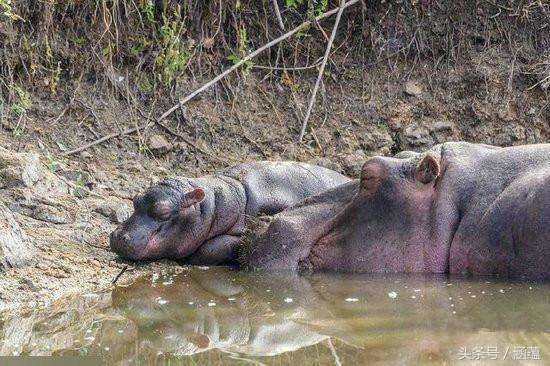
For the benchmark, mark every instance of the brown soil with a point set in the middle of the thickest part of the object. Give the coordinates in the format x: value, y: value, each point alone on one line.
x: 362, y: 110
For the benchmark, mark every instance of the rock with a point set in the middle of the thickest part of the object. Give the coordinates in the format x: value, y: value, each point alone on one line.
x: 413, y: 88
x: 441, y: 131
x: 19, y: 169
x: 51, y: 214
x: 352, y: 163
x: 442, y: 126
x: 24, y: 170
x: 86, y: 155
x: 122, y: 213
x: 416, y: 137
x: 116, y: 211
x: 378, y: 142
x: 158, y: 144
x: 16, y: 250
x: 79, y: 177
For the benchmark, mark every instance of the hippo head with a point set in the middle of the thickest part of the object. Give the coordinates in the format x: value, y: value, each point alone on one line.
x: 166, y: 223
x: 386, y: 226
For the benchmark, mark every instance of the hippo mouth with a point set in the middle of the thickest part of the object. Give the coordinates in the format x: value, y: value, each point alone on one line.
x: 123, y: 246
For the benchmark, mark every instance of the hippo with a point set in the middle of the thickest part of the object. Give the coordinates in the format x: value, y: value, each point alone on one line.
x: 459, y: 208
x: 203, y: 219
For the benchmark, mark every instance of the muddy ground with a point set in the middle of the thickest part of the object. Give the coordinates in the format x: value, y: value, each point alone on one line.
x: 69, y: 207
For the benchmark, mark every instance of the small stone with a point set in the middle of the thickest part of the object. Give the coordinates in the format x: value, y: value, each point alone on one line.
x: 19, y: 169
x: 86, y: 155
x: 413, y: 88
x: 116, y: 211
x: 51, y: 214
x: 352, y: 163
x: 16, y: 250
x: 378, y: 141
x: 158, y: 144
x: 417, y: 137
x: 95, y: 262
x: 122, y: 213
x: 441, y: 126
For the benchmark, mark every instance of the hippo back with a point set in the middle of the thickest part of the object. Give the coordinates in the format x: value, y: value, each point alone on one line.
x: 273, y: 186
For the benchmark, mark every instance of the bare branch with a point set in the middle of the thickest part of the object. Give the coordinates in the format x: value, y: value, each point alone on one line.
x: 254, y: 54
x: 278, y: 14
x: 322, y: 69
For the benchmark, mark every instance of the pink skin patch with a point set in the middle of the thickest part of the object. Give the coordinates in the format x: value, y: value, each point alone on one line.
x: 152, y: 247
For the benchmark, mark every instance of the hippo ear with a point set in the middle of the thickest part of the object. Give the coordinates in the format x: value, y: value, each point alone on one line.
x: 192, y: 198
x: 427, y: 170
x: 371, y: 175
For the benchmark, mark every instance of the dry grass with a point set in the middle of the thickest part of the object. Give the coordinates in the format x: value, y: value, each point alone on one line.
x: 159, y: 43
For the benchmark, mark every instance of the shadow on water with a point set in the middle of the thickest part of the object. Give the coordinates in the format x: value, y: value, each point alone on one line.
x: 222, y: 316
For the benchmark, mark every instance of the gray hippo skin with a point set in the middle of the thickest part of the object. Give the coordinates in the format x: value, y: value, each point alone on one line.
x: 460, y: 208
x: 203, y: 219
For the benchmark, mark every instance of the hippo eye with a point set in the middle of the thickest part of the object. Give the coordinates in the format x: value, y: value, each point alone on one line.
x: 161, y: 210
x: 136, y: 202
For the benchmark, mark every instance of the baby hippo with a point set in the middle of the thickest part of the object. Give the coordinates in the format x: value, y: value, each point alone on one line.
x: 203, y: 219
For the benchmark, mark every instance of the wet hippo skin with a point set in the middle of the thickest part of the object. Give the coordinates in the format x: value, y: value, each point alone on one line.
x: 202, y: 219
x: 459, y: 208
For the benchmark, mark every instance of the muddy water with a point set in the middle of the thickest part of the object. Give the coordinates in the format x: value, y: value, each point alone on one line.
x: 222, y: 316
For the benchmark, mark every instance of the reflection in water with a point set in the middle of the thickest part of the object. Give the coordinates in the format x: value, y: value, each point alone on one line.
x: 222, y: 316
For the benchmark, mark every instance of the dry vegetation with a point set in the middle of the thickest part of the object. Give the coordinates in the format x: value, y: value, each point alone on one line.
x: 147, y: 54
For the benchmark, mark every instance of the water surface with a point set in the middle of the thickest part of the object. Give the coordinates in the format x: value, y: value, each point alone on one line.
x: 222, y: 316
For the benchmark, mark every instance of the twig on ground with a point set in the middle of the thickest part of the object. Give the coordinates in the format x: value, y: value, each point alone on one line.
x: 256, y: 53
x: 124, y: 269
x: 278, y: 14
x: 89, y: 108
x: 105, y: 138
x: 322, y: 69
x: 322, y: 31
x: 138, y: 128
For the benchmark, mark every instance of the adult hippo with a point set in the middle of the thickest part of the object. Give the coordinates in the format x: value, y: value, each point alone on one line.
x: 202, y: 219
x: 460, y: 208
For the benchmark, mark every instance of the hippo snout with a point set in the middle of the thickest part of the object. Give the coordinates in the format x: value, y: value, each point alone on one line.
x: 121, y: 244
